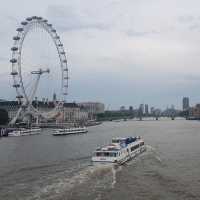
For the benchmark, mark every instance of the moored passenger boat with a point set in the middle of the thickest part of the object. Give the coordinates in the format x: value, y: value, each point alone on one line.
x: 68, y: 131
x: 120, y: 150
x: 24, y: 132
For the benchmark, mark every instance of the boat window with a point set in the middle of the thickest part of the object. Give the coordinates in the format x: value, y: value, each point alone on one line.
x: 142, y: 143
x: 98, y: 154
x: 132, y: 148
x: 106, y: 154
x: 135, y: 147
x: 112, y: 154
x: 115, y: 141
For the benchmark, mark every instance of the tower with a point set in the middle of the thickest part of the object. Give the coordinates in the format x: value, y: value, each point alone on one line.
x: 54, y: 97
x: 186, y: 103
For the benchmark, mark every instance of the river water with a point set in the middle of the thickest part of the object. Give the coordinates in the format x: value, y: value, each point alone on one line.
x: 59, y: 168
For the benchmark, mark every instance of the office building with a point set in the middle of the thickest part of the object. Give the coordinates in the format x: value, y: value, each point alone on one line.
x: 186, y: 104
x: 146, y: 108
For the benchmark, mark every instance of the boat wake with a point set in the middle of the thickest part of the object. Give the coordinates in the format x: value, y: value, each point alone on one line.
x: 114, y: 174
x: 90, y: 179
x: 153, y: 150
x: 150, y: 152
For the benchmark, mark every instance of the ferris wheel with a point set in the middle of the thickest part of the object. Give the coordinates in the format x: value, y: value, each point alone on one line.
x: 42, y: 70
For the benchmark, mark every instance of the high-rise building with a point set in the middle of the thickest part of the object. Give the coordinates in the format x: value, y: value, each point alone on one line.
x: 152, y: 110
x: 186, y: 103
x: 122, y: 108
x: 130, y: 108
x: 54, y: 97
x: 141, y: 108
x: 92, y: 108
x: 146, y: 108
x: 172, y: 107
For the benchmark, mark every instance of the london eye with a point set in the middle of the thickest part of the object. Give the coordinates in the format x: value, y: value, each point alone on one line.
x: 39, y: 65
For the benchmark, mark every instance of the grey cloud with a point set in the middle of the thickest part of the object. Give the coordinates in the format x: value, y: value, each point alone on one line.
x: 68, y: 18
x: 191, y: 77
x: 186, y: 19
x: 3, y: 58
x: 194, y: 27
x: 191, y: 22
x: 133, y: 33
x: 12, y: 19
x: 111, y: 56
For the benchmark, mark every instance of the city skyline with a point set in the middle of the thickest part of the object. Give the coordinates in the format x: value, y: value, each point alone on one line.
x: 115, y: 55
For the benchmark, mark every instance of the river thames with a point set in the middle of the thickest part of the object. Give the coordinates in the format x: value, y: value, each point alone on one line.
x: 59, y: 168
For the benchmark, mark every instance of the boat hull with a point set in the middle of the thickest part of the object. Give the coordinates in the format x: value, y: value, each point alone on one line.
x: 27, y: 132
x: 69, y: 133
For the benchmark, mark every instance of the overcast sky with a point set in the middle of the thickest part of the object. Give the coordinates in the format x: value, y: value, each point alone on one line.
x: 120, y: 52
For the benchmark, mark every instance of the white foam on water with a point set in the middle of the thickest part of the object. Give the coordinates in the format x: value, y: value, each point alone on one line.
x: 114, y: 173
x: 158, y: 158
x: 65, y: 184
x: 61, y: 184
x: 152, y: 149
x: 98, y: 197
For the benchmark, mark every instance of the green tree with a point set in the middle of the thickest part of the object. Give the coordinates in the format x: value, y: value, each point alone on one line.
x: 3, y: 117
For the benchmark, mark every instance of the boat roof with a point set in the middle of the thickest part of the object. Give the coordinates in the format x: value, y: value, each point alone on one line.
x: 119, y: 138
x: 116, y: 146
x: 110, y: 147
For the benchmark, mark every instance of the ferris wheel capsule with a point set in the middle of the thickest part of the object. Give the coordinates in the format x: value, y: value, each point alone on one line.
x: 60, y: 45
x: 20, y: 29
x: 13, y: 60
x: 14, y: 73
x: 39, y: 18
x: 24, y: 23
x: 57, y: 37
x: 19, y: 97
x: 62, y: 52
x: 53, y: 30
x: 16, y: 85
x: 64, y: 61
x: 45, y: 20
x: 50, y: 25
x: 29, y: 19
x: 16, y: 38
x: 14, y: 48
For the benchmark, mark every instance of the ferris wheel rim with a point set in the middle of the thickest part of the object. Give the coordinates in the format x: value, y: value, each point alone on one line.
x: 16, y: 49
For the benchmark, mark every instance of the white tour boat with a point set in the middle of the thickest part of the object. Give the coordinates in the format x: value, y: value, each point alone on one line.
x: 24, y: 132
x: 120, y: 150
x: 68, y: 131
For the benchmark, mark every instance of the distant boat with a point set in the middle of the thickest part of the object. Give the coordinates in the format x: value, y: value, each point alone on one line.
x: 68, y: 131
x: 24, y: 132
x: 117, y: 120
x: 119, y: 151
x: 93, y: 123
